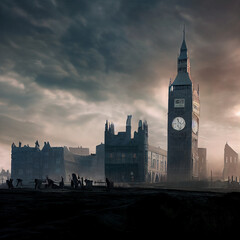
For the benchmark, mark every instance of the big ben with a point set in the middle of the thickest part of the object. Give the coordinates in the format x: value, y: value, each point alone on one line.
x: 183, y: 122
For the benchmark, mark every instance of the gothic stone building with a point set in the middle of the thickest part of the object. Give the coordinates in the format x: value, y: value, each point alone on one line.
x: 231, y: 167
x: 29, y: 163
x: 132, y: 159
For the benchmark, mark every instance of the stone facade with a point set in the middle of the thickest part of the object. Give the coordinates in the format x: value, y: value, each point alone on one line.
x: 231, y: 168
x: 4, y: 175
x: 29, y: 163
x: 100, y: 158
x: 79, y: 151
x: 130, y: 159
x: 157, y: 164
x: 202, y: 163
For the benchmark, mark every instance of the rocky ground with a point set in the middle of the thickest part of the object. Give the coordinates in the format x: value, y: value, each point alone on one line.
x: 122, y: 211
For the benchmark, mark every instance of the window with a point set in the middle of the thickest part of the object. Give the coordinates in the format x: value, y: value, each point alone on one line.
x: 58, y: 160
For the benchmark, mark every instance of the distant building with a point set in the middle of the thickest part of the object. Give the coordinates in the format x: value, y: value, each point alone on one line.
x: 79, y: 151
x: 202, y: 163
x: 100, y: 158
x: 4, y: 175
x: 157, y: 164
x: 231, y: 166
x: 29, y: 163
x: 132, y: 159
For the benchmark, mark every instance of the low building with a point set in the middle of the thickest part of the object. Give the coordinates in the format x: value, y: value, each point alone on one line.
x: 4, y: 175
x: 231, y: 166
x: 202, y: 163
x: 157, y: 164
x: 29, y: 163
x: 100, y: 158
x: 79, y: 151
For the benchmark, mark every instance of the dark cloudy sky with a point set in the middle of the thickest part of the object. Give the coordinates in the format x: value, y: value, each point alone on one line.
x: 67, y: 66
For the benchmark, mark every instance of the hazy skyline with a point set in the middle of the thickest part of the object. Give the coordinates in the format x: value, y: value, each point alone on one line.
x: 67, y: 66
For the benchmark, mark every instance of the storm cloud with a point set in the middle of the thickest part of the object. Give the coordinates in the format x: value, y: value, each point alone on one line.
x: 67, y: 66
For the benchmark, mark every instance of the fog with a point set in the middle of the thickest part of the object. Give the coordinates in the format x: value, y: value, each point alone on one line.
x: 67, y: 67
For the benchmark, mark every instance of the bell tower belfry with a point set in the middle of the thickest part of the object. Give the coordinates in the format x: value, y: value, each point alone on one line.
x: 183, y: 122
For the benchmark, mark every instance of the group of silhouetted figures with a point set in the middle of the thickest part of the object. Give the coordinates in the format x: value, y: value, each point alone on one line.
x: 38, y: 183
x: 49, y: 183
x: 76, y: 182
x: 9, y: 183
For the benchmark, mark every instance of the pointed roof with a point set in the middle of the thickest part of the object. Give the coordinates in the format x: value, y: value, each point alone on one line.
x: 182, y: 78
x: 183, y: 49
x: 46, y: 146
x: 184, y: 46
x: 128, y: 122
x: 228, y: 149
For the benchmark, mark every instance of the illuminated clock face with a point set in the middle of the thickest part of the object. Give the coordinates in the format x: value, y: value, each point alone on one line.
x: 194, y: 126
x: 178, y: 123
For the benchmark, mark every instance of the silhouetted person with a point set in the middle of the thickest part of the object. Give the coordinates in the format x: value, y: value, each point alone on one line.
x: 109, y: 184
x: 88, y: 183
x: 38, y: 183
x: 82, y: 182
x: 19, y: 182
x: 50, y: 183
x: 75, y: 180
x: 35, y: 181
x: 10, y: 183
x: 61, y: 184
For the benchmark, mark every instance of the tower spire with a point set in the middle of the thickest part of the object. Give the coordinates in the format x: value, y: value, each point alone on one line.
x: 184, y: 32
x: 183, y: 64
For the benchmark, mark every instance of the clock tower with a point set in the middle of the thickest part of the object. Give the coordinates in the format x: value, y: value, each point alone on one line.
x: 183, y: 122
